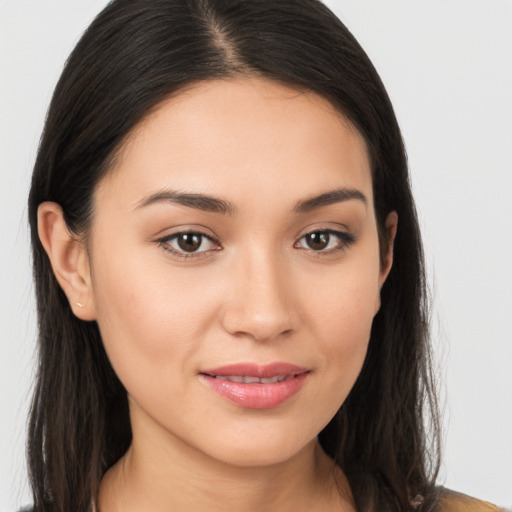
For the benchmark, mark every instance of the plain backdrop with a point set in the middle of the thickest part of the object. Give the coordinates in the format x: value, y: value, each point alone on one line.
x: 447, y: 65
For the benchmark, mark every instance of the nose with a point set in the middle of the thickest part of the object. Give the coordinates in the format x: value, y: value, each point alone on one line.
x: 259, y: 304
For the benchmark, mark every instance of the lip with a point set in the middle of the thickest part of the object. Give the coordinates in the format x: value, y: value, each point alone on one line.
x: 256, y: 395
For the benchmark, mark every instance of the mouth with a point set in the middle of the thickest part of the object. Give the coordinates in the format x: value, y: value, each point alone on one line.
x: 245, y: 379
x: 256, y: 387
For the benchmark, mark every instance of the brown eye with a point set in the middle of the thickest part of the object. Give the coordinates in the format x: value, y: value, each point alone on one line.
x: 318, y: 240
x: 325, y: 241
x: 189, y: 242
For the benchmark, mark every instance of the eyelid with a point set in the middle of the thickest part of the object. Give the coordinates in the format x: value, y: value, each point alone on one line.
x: 345, y: 238
x: 163, y: 242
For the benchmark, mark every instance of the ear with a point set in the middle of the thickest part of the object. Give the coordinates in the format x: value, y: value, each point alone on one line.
x: 68, y: 258
x: 387, y: 261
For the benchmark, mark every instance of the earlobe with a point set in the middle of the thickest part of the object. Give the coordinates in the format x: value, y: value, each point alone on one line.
x: 391, y: 226
x: 68, y: 258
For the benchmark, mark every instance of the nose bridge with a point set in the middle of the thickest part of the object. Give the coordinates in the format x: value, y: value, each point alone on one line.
x: 259, y: 304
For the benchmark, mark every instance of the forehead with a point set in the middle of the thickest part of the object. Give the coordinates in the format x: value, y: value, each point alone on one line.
x: 239, y: 137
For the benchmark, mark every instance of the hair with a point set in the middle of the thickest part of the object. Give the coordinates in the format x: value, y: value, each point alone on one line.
x: 135, y: 54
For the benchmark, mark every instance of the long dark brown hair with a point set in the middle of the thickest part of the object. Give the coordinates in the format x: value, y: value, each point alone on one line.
x: 135, y: 54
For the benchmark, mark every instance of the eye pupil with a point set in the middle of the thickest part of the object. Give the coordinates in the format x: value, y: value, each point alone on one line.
x: 189, y: 242
x: 318, y: 240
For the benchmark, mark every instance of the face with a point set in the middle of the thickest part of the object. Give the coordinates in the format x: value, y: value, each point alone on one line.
x: 235, y: 269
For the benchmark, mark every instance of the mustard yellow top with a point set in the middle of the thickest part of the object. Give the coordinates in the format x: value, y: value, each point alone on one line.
x: 452, y: 501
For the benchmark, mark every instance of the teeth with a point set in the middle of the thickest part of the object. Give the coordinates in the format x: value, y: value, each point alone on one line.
x: 232, y: 379
x: 270, y: 380
x: 251, y: 380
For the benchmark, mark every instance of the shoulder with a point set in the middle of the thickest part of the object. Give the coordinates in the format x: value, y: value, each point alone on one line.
x: 451, y: 501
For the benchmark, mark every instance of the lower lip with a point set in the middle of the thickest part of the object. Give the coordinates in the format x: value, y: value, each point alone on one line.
x: 257, y: 396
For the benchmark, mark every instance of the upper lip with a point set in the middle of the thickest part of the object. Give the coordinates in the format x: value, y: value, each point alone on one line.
x: 255, y: 370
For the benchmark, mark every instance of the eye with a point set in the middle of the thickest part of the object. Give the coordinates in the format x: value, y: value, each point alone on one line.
x: 188, y: 244
x: 325, y: 240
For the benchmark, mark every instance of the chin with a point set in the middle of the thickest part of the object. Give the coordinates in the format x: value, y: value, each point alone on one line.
x: 259, y: 450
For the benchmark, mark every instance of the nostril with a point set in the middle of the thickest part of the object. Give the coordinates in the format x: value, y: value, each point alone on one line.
x: 270, y: 334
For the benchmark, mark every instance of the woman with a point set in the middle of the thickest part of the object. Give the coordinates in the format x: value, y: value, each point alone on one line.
x: 229, y: 271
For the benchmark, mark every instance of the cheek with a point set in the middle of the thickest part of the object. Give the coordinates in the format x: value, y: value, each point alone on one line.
x: 345, y: 301
x: 150, y: 317
x: 340, y: 314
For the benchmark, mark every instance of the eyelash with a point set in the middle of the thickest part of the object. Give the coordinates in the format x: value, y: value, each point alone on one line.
x: 345, y: 240
x: 164, y: 243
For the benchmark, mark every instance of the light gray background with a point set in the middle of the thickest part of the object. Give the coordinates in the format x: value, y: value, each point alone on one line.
x: 447, y: 65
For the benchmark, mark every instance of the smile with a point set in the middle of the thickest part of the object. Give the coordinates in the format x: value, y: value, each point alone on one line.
x: 256, y: 387
x: 252, y: 380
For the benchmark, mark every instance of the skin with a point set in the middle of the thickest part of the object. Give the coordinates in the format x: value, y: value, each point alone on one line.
x: 257, y: 293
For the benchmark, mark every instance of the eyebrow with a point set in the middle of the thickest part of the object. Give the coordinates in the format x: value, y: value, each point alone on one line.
x: 198, y: 201
x: 333, y: 196
x: 216, y: 205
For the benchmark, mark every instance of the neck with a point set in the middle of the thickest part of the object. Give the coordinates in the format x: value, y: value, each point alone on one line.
x: 170, y: 476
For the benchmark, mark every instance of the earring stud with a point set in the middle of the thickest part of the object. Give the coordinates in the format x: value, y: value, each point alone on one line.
x: 79, y: 304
